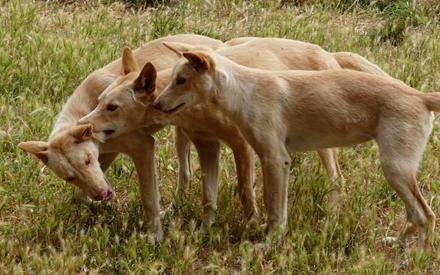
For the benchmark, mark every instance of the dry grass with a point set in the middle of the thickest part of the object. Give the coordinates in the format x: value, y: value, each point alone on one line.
x: 49, y: 47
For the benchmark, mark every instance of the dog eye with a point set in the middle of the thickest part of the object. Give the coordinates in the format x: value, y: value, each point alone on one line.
x: 112, y: 107
x: 88, y: 161
x: 180, y: 81
x: 70, y: 179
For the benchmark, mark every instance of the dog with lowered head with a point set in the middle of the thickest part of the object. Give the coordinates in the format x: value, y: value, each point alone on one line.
x: 75, y: 154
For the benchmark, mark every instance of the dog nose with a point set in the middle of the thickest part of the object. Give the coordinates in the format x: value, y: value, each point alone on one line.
x: 157, y: 106
x: 109, y: 195
x: 105, y: 195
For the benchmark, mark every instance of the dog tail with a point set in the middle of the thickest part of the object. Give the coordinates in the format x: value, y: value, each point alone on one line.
x: 352, y: 61
x: 432, y: 101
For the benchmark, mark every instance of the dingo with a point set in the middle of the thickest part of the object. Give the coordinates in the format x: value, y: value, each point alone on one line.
x: 284, y: 111
x: 72, y: 151
x: 127, y: 100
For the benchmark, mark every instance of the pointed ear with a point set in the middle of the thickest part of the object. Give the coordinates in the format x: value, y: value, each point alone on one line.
x: 179, y: 48
x: 199, y: 61
x: 145, y: 84
x: 175, y: 47
x: 82, y: 133
x: 38, y: 148
x: 129, y: 63
x: 146, y: 79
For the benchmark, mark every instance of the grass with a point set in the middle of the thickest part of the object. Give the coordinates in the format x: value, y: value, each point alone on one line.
x: 47, y: 48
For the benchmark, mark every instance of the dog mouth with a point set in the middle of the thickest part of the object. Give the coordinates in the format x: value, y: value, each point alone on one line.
x: 106, y: 195
x: 109, y: 132
x: 175, y: 108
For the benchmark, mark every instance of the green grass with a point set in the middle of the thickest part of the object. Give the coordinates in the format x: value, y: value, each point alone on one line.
x: 47, y: 49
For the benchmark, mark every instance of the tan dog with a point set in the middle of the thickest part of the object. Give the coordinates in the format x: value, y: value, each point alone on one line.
x: 72, y: 152
x: 346, y: 60
x: 285, y: 111
x: 125, y: 100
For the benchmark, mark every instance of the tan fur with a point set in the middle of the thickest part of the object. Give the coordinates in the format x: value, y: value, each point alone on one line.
x: 206, y: 126
x: 353, y: 61
x: 76, y: 159
x: 138, y: 144
x: 284, y: 111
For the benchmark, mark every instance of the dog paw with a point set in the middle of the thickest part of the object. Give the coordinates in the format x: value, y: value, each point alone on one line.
x: 391, y: 241
x: 158, y: 236
x: 205, y: 227
x: 251, y: 224
x: 208, y: 219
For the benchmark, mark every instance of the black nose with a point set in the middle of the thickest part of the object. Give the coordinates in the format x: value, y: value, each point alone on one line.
x: 157, y: 106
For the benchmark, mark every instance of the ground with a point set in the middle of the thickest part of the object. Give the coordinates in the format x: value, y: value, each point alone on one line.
x: 49, y: 47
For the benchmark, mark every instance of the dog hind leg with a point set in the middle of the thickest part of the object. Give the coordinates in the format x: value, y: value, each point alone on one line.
x: 209, y: 152
x: 329, y: 158
x: 244, y: 161
x: 400, y: 153
x: 183, y: 150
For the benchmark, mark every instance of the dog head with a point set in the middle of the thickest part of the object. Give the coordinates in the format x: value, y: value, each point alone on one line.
x: 73, y: 156
x: 122, y: 106
x: 192, y: 81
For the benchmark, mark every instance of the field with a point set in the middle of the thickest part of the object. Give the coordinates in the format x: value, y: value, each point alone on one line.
x: 48, y: 47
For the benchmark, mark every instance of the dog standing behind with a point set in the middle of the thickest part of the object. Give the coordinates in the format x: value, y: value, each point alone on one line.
x: 284, y: 111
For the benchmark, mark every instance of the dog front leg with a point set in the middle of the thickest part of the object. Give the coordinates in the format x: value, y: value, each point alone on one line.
x: 143, y: 157
x: 183, y: 150
x: 275, y: 164
x: 209, y: 152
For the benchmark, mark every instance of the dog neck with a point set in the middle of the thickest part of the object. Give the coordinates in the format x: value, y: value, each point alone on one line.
x: 243, y: 95
x: 83, y: 100
x: 238, y: 86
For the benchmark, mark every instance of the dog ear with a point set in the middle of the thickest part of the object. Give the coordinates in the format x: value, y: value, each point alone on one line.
x: 146, y: 79
x: 199, y: 61
x: 82, y: 133
x: 177, y: 48
x: 145, y: 84
x: 129, y: 63
x: 38, y: 148
x: 180, y: 48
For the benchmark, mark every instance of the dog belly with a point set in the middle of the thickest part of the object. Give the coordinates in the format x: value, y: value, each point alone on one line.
x: 306, y: 142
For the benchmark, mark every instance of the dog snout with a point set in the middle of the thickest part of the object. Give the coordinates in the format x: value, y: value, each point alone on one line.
x: 109, y: 195
x: 104, y: 195
x: 100, y: 196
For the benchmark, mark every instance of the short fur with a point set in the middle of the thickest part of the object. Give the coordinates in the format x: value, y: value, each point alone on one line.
x: 206, y: 126
x: 283, y: 111
x: 72, y: 152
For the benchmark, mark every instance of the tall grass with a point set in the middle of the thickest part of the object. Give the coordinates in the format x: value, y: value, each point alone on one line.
x: 49, y: 47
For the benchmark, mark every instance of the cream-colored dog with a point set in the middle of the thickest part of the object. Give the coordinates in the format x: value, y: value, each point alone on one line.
x: 311, y: 54
x: 284, y: 111
x: 74, y: 154
x: 129, y: 97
